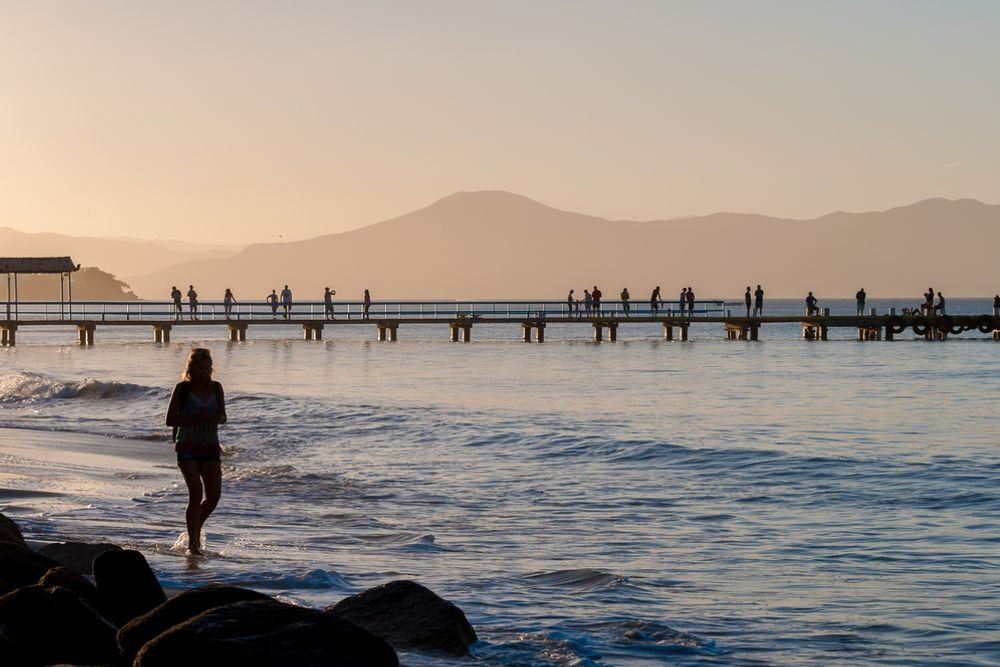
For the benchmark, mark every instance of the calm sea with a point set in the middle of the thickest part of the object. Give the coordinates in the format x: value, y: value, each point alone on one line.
x: 784, y: 502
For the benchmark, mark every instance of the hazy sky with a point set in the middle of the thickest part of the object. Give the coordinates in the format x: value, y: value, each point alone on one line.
x: 239, y: 121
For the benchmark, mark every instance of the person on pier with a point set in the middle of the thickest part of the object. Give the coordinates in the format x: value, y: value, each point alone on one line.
x: 655, y: 301
x: 272, y: 300
x: 996, y: 305
x: 595, y: 296
x: 197, y: 407
x: 758, y: 302
x: 569, y: 304
x: 811, y: 308
x: 588, y: 302
x: 175, y: 294
x: 227, y: 302
x: 690, y: 302
x: 328, y: 302
x: 860, y: 298
x: 368, y: 303
x: 748, y: 300
x: 286, y: 300
x: 928, y: 306
x: 625, y: 299
x: 939, y: 306
x: 193, y: 302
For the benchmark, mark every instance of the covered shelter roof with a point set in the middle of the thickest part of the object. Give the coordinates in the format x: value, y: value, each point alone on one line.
x: 37, y: 265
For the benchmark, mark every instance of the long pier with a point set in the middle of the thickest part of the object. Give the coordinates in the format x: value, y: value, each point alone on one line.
x: 461, y: 316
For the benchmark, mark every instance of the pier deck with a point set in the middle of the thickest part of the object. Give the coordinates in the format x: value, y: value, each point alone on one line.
x: 461, y: 316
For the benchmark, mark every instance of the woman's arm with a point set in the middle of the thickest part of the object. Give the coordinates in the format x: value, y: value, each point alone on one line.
x: 221, y: 398
x: 174, y: 408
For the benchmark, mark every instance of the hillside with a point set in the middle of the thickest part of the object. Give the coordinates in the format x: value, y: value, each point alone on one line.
x: 88, y: 283
x: 501, y: 245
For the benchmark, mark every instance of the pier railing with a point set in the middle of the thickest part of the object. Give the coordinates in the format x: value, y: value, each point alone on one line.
x: 258, y: 311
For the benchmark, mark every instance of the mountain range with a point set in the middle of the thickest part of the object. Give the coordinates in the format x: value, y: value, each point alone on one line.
x: 493, y: 244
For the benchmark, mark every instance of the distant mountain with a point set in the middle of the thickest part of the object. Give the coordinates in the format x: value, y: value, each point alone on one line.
x: 501, y: 245
x: 120, y: 257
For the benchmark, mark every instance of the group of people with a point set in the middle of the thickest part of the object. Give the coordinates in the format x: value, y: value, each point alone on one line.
x: 592, y: 302
x: 275, y: 300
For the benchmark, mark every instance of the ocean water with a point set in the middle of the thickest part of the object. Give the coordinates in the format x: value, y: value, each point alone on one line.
x: 642, y: 502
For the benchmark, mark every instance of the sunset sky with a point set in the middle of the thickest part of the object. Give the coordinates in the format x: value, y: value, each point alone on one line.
x: 242, y: 121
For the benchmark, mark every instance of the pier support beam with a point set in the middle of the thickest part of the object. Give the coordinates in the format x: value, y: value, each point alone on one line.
x: 869, y: 333
x: 599, y: 331
x: 460, y: 331
x: 161, y: 333
x: 526, y: 328
x: 668, y: 331
x: 238, y: 332
x: 86, y: 332
x: 312, y: 330
x: 387, y: 331
x: 7, y: 335
x: 814, y: 331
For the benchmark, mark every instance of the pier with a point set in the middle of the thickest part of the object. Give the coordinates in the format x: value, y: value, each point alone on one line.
x: 459, y: 318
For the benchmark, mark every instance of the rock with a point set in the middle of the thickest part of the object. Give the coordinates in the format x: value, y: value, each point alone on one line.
x: 64, y: 577
x: 126, y: 583
x: 78, y: 556
x: 266, y: 633
x: 134, y: 635
x: 20, y: 566
x: 411, y: 616
x: 50, y: 626
x: 9, y: 532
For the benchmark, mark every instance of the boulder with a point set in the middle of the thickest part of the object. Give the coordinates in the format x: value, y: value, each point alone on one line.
x: 78, y: 556
x: 127, y: 585
x: 9, y: 532
x: 266, y: 633
x: 64, y: 577
x: 41, y: 626
x: 134, y: 635
x: 20, y: 566
x: 410, y: 616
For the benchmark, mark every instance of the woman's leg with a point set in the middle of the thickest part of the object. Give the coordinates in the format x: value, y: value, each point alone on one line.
x: 192, y: 516
x: 211, y: 477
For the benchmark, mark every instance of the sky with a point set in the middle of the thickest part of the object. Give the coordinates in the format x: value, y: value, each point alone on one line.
x: 246, y: 121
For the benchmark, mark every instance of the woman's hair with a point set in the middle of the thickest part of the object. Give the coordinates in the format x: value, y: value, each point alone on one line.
x: 197, y: 354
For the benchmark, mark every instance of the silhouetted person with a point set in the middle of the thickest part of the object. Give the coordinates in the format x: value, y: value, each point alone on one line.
x: 683, y: 299
x: 227, y: 302
x: 860, y: 298
x: 595, y: 296
x: 193, y: 302
x: 690, y: 301
x: 286, y: 300
x: 625, y: 299
x: 996, y: 305
x: 928, y: 306
x: 569, y: 304
x: 175, y: 294
x: 272, y: 300
x: 811, y: 308
x: 748, y: 300
x: 588, y: 302
x: 328, y: 302
x: 368, y: 303
x: 939, y: 306
x: 758, y: 302
x: 197, y: 407
x: 654, y: 301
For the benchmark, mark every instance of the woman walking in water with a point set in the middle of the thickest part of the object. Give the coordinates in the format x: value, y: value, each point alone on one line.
x: 197, y: 407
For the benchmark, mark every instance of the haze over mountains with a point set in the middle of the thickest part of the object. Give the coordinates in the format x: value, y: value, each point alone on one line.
x: 493, y: 244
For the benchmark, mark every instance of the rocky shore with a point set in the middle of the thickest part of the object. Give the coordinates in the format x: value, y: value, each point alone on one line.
x: 99, y: 604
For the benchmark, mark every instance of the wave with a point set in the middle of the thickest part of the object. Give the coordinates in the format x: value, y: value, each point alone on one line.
x: 584, y: 578
x: 26, y: 387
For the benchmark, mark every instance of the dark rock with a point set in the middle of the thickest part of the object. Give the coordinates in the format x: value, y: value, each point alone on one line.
x: 126, y: 583
x: 9, y: 532
x: 79, y: 585
x: 48, y: 626
x: 20, y: 566
x: 266, y: 633
x: 134, y: 635
x: 78, y: 556
x: 408, y: 615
